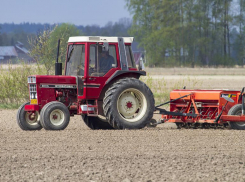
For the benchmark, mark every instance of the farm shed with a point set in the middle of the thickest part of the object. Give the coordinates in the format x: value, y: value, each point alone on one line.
x: 7, y: 53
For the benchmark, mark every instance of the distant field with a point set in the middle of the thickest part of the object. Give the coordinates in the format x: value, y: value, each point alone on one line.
x: 175, y: 71
x: 4, y: 68
x: 195, y: 71
x: 199, y: 81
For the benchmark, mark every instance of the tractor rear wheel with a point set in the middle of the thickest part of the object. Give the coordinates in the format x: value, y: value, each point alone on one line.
x: 236, y: 110
x: 128, y: 104
x: 96, y: 123
x: 54, y: 116
x: 28, y: 120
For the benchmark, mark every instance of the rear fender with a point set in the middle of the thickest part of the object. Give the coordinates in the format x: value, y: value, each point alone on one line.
x: 126, y: 73
x: 119, y: 75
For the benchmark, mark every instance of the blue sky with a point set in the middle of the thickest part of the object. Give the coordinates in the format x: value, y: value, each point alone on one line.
x: 78, y: 12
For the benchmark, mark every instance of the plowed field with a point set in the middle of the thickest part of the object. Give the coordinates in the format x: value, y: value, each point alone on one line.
x: 153, y: 154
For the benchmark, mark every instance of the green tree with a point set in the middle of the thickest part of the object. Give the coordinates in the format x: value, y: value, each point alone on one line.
x: 44, y: 45
x: 41, y: 51
x: 184, y: 32
x: 239, y: 44
x: 62, y: 32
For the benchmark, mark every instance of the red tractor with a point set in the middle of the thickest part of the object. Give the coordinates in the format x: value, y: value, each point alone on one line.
x: 100, y: 83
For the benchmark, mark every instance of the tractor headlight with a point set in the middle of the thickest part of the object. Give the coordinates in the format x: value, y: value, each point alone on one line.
x: 31, y: 79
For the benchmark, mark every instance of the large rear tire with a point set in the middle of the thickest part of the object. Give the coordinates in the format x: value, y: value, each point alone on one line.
x: 96, y: 123
x: 128, y: 104
x: 28, y: 120
x: 236, y: 110
x: 54, y: 116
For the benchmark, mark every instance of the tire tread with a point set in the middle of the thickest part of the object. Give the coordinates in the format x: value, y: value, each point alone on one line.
x: 44, y: 120
x: 21, y: 121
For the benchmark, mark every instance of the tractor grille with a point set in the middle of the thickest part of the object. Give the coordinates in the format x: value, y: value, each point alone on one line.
x: 33, y: 93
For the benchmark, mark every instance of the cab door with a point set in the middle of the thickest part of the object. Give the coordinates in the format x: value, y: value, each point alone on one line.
x: 96, y: 79
x: 75, y: 64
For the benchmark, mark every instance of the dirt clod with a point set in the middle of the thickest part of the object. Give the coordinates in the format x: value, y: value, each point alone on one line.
x: 168, y: 126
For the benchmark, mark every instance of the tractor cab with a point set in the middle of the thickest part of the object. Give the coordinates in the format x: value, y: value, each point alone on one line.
x: 98, y: 56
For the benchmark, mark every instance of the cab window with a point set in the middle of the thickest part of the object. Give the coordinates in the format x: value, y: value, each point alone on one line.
x: 100, y: 62
x: 75, y: 60
x: 130, y: 58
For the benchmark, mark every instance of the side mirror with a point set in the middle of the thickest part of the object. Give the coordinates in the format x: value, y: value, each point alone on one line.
x: 141, y: 64
x: 105, y: 46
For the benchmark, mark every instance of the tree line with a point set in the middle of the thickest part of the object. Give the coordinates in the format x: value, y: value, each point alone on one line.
x: 190, y: 32
x: 10, y: 33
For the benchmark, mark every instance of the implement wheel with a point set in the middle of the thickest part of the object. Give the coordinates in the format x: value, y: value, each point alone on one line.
x: 96, y: 123
x: 54, y: 116
x: 128, y: 104
x: 236, y: 110
x: 28, y: 120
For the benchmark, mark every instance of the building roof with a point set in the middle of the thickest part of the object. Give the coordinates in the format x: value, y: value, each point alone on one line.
x: 99, y: 39
x: 8, y: 51
x: 19, y: 43
x: 23, y: 49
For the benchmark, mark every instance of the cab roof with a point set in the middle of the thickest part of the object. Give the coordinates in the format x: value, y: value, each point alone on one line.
x: 99, y: 39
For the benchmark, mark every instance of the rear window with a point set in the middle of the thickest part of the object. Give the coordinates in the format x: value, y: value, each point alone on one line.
x: 130, y: 58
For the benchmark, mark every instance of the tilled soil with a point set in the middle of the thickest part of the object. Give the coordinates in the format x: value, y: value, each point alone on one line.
x: 153, y: 154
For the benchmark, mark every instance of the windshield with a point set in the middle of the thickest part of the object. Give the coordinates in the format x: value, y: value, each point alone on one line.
x: 75, y: 60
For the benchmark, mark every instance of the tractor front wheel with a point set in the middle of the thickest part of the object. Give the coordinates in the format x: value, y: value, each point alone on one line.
x: 236, y: 110
x: 54, y: 116
x: 128, y: 104
x: 28, y: 120
x: 96, y: 123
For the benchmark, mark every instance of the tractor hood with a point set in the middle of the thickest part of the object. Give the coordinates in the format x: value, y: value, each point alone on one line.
x: 52, y: 80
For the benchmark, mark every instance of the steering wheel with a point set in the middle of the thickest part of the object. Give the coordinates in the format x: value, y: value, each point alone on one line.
x: 79, y: 71
x: 91, y: 69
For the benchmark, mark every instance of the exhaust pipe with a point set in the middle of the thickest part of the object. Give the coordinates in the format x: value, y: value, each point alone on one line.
x: 58, y: 66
